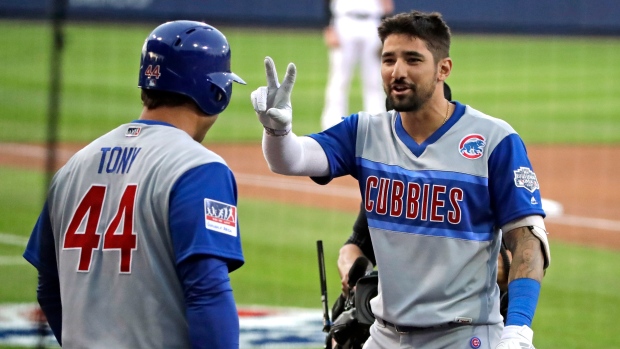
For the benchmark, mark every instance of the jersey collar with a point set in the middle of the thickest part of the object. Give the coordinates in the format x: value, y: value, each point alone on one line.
x: 418, y: 149
x: 152, y: 122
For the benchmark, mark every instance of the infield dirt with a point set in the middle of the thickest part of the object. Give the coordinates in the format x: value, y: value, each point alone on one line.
x: 581, y: 178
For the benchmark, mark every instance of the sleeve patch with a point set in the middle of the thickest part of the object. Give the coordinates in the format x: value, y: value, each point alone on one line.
x: 221, y: 217
x: 526, y: 178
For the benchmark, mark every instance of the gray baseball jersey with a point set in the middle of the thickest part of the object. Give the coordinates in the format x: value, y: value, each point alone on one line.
x: 434, y: 210
x: 117, y: 238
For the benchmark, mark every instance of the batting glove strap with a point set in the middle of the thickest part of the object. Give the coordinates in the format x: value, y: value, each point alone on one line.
x: 516, y: 337
x: 276, y: 133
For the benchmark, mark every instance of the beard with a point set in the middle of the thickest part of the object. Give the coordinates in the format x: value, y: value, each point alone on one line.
x: 413, y: 101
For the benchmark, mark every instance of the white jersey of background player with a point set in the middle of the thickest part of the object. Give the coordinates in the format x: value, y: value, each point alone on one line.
x: 353, y: 44
x: 139, y: 230
x: 439, y: 180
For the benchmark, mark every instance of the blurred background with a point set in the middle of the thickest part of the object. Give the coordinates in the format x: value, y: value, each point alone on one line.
x: 69, y: 72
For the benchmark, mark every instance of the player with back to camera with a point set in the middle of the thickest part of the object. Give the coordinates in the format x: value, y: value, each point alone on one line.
x: 439, y: 181
x: 139, y: 230
x: 352, y: 42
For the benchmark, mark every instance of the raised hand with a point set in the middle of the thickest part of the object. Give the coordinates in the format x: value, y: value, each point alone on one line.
x: 272, y: 103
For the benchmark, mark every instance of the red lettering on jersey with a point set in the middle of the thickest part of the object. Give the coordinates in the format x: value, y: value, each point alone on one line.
x: 413, y: 200
x: 426, y: 202
x: 456, y: 195
x: 437, y: 203
x: 424, y: 213
x: 371, y: 182
x: 88, y: 240
x: 126, y: 241
x: 398, y: 190
x: 382, y: 196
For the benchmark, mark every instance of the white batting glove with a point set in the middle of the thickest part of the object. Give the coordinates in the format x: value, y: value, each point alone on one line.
x: 516, y: 337
x: 272, y: 103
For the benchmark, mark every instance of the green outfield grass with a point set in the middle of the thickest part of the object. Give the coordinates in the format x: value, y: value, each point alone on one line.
x: 551, y: 89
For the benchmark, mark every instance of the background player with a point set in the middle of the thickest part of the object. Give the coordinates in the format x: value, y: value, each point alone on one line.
x: 439, y: 181
x: 139, y: 231
x: 352, y: 42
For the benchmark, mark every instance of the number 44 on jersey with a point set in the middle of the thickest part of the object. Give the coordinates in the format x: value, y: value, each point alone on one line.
x: 88, y: 241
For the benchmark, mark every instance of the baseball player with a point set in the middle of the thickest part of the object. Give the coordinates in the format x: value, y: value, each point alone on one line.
x: 360, y: 244
x: 352, y: 42
x: 439, y: 181
x: 139, y: 230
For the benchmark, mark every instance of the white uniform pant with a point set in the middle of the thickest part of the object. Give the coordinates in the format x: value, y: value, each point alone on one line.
x: 359, y: 47
x: 459, y: 337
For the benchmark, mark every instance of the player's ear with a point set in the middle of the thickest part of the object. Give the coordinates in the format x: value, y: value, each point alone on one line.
x: 444, y: 67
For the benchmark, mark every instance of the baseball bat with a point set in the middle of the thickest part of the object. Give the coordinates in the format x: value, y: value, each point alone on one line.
x: 326, y: 321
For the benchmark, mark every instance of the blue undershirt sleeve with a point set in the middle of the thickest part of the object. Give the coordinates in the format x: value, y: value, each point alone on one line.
x: 41, y: 253
x: 211, y: 311
x: 48, y: 296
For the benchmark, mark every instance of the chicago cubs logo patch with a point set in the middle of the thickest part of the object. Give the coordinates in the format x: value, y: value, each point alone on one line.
x: 526, y: 178
x: 475, y: 342
x: 221, y: 217
x: 472, y: 146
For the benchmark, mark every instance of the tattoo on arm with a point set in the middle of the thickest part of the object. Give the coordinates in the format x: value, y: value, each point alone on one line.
x: 527, y: 254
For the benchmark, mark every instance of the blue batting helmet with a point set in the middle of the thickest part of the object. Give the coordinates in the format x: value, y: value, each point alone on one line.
x: 190, y: 58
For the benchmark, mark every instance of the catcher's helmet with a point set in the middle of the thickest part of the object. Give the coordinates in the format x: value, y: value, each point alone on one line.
x: 189, y: 58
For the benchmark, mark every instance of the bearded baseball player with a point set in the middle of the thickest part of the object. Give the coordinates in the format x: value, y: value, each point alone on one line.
x: 360, y: 244
x: 139, y: 231
x: 439, y: 180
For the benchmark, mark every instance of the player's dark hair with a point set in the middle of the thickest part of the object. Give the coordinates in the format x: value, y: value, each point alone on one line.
x: 429, y: 27
x: 153, y: 99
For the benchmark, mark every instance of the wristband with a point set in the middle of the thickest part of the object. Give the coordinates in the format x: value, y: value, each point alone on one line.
x: 522, y: 300
x: 276, y: 133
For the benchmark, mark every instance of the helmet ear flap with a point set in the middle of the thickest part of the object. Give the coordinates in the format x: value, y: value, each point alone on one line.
x: 215, y: 98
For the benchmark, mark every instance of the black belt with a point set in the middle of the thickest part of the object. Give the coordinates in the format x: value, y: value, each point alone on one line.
x: 407, y: 329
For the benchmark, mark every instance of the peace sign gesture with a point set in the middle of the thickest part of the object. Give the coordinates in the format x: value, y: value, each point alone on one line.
x: 272, y: 103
